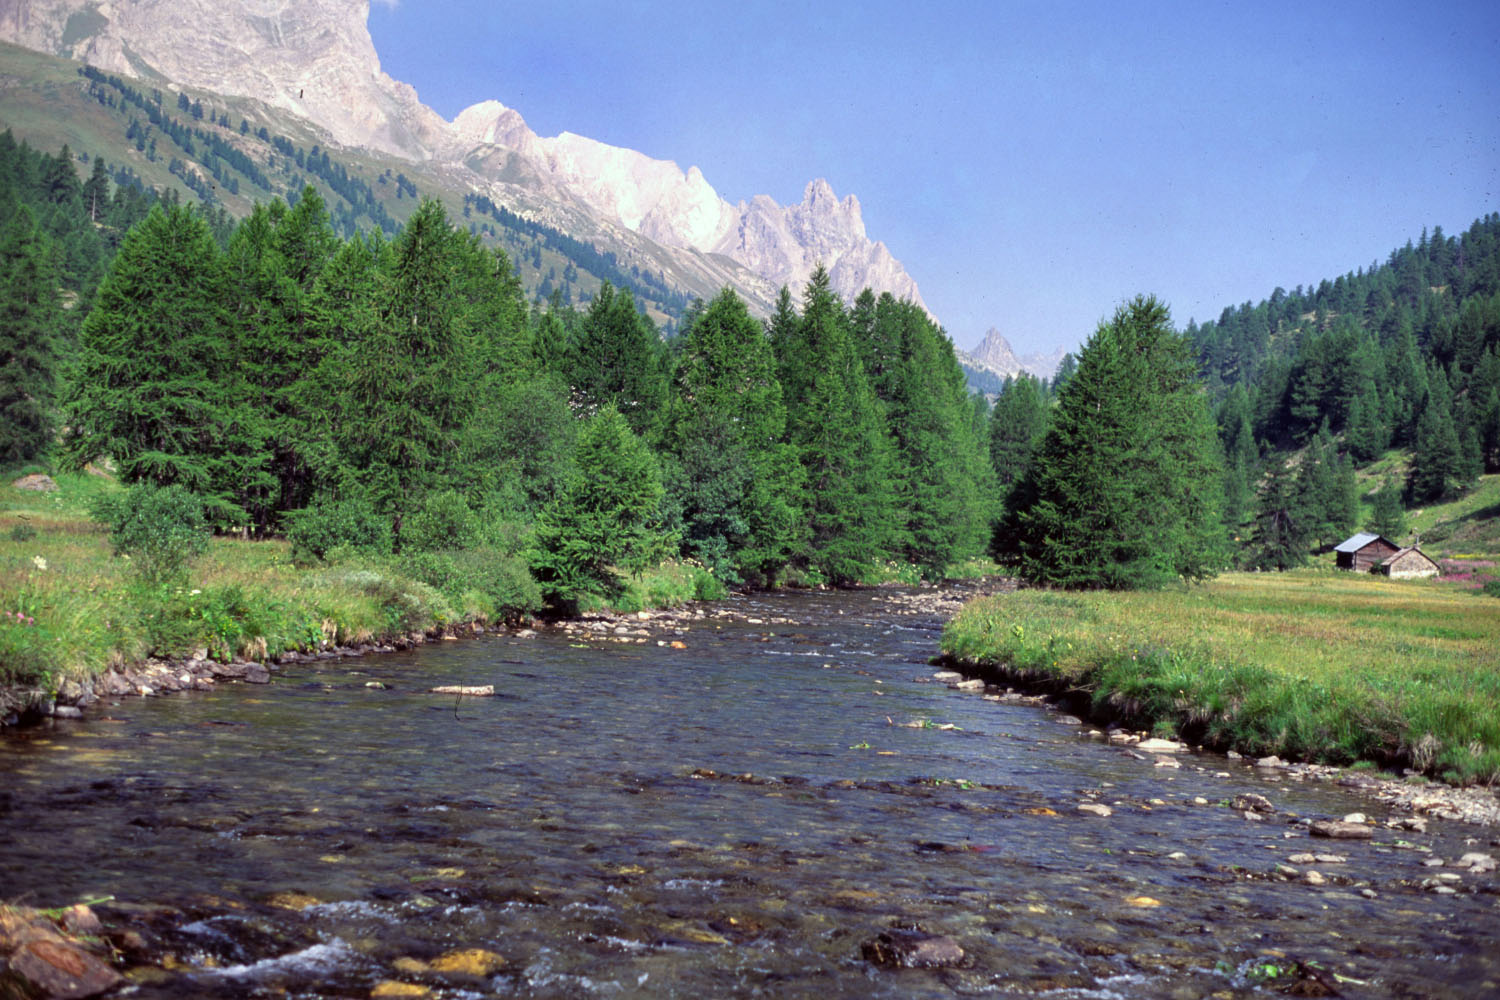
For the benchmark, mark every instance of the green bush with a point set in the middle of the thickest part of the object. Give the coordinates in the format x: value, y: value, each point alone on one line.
x: 22, y: 533
x: 445, y: 521
x: 504, y: 580
x: 159, y: 528
x: 329, y: 523
x: 1492, y: 587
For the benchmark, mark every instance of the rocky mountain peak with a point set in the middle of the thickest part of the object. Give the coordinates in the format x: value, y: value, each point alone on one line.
x: 316, y: 59
x: 994, y: 354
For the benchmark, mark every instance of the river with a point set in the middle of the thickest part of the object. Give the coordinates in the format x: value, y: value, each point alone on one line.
x: 738, y: 817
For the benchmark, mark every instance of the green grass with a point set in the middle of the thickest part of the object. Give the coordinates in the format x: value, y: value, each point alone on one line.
x: 70, y: 609
x: 1315, y: 665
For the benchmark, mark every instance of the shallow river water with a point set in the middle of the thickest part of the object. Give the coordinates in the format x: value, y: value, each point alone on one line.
x: 734, y: 818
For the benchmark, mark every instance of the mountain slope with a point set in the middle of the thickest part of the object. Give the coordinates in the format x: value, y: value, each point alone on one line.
x: 314, y: 59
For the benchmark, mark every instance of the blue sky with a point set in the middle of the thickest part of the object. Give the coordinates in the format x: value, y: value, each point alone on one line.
x: 1032, y: 164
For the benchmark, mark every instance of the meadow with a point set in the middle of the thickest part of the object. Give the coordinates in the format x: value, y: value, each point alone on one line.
x: 70, y: 608
x: 1315, y: 665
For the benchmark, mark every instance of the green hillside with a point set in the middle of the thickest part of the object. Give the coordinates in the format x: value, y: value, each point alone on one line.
x: 233, y: 153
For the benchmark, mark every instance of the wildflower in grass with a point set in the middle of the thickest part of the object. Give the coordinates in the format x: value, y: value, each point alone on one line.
x: 39, y: 562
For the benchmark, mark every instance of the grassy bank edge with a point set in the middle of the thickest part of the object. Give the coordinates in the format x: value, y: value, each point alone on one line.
x: 1189, y: 691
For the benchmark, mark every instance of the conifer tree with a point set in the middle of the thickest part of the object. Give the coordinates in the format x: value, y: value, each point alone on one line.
x: 737, y: 482
x: 1283, y: 525
x: 608, y: 517
x: 30, y: 321
x: 1241, y: 457
x: 1017, y: 423
x: 942, y: 472
x: 834, y: 421
x: 616, y: 358
x: 1388, y: 515
x: 274, y: 261
x: 408, y: 396
x: 1437, y: 463
x: 158, y: 383
x: 1126, y: 489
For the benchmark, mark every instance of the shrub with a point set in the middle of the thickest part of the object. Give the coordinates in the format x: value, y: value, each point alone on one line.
x: 1492, y: 587
x: 160, y: 528
x: 331, y: 523
x: 445, y: 521
x: 22, y: 533
x: 503, y: 580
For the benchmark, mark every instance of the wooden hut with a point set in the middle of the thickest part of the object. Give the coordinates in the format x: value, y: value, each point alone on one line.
x: 1407, y: 564
x: 1363, y: 552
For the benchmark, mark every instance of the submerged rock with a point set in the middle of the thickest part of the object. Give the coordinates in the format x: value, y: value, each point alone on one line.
x: 911, y: 949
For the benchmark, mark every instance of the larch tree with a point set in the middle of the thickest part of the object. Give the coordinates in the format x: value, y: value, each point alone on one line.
x: 158, y: 382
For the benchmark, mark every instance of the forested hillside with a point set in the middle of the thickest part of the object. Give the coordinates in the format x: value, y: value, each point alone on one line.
x: 1395, y: 367
x: 231, y: 154
x: 1403, y: 355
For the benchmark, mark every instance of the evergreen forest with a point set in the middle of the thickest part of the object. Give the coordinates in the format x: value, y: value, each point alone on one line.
x: 399, y: 396
x: 395, y: 392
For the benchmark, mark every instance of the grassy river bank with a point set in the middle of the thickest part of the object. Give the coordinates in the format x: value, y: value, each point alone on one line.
x: 71, y: 610
x: 1315, y: 665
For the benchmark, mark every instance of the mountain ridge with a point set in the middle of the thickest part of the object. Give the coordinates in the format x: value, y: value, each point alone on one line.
x: 316, y: 59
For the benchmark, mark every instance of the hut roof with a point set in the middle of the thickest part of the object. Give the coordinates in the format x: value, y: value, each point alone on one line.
x: 1394, y: 557
x: 1356, y: 542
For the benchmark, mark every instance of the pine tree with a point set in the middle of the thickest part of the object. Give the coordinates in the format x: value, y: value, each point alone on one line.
x: 274, y: 261
x: 1283, y: 525
x: 1017, y: 423
x: 1437, y: 456
x: 1241, y: 458
x: 30, y: 321
x: 943, y: 475
x: 408, y: 394
x: 616, y: 358
x: 1388, y: 515
x: 1126, y: 489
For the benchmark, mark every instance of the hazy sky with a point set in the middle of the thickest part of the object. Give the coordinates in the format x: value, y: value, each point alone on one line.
x: 1032, y: 164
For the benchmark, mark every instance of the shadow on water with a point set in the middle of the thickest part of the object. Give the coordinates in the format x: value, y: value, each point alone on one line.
x: 736, y: 818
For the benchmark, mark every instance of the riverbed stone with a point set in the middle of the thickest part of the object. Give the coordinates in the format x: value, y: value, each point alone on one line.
x: 1271, y: 761
x: 1476, y: 862
x: 389, y: 988
x: 899, y: 948
x: 1252, y: 802
x: 256, y: 673
x: 469, y: 962
x: 1159, y: 746
x: 1340, y: 830
x: 1095, y: 809
x: 60, y: 971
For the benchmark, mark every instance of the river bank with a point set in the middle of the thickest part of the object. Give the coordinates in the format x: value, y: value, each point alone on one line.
x: 1320, y: 667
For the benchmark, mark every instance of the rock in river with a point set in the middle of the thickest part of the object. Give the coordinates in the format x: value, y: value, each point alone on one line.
x: 1341, y: 830
x: 909, y: 949
x: 60, y: 971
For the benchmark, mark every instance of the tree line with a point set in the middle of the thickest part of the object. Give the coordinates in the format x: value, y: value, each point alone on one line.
x: 400, y: 395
